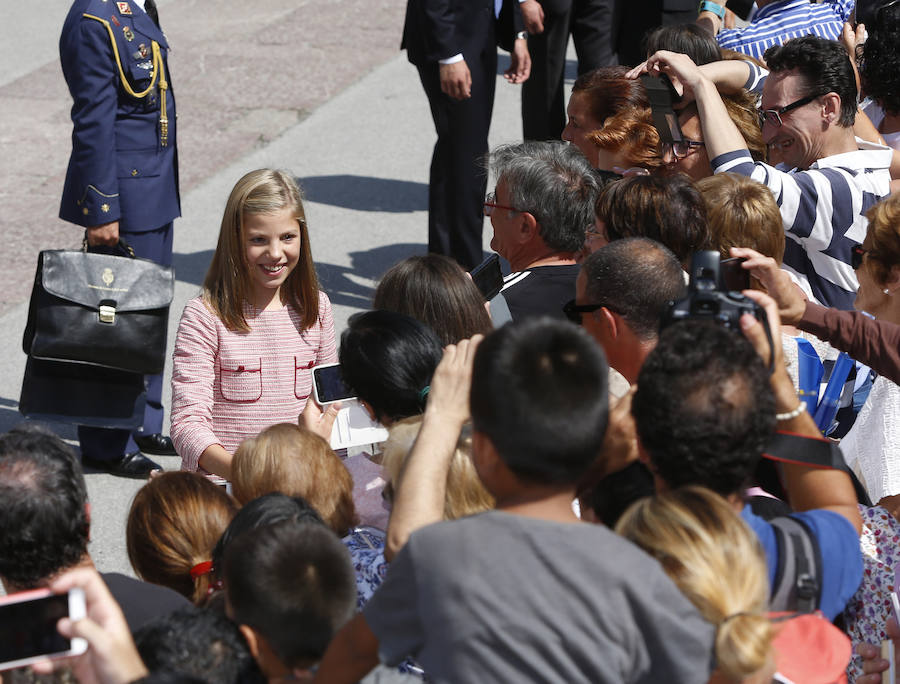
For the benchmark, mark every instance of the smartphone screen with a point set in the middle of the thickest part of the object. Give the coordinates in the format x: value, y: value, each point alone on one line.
x: 328, y: 384
x: 28, y: 627
x: 488, y: 277
x: 732, y: 276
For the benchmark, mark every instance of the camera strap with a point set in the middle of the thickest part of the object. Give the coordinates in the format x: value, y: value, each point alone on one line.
x: 812, y: 452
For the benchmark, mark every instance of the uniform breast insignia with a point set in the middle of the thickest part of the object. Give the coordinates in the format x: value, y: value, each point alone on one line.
x: 104, y: 208
x: 112, y: 18
x: 129, y: 34
x: 124, y: 8
x: 145, y: 65
x: 107, y: 277
x: 141, y: 52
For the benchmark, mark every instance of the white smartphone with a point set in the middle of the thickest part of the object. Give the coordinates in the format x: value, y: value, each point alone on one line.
x: 328, y: 385
x: 28, y: 626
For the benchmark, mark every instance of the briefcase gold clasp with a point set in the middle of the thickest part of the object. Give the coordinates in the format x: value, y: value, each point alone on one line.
x: 107, y: 314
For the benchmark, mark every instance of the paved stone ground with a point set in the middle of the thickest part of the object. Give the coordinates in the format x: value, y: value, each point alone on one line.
x: 315, y: 87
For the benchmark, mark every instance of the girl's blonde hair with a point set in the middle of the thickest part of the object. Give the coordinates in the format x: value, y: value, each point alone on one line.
x: 291, y: 460
x: 465, y: 493
x: 227, y: 286
x: 717, y: 563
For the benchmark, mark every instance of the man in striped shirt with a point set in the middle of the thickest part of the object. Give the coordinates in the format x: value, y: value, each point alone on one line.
x: 777, y: 21
x: 808, y: 110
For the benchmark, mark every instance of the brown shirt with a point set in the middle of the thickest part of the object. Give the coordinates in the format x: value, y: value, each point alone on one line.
x: 875, y: 343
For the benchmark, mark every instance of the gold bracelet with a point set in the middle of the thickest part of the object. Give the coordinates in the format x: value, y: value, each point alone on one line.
x: 790, y: 415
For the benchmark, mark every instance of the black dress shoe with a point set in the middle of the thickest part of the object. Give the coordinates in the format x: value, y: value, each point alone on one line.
x: 156, y: 444
x: 134, y: 465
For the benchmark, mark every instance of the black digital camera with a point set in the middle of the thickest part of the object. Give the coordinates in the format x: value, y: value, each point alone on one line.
x: 709, y: 300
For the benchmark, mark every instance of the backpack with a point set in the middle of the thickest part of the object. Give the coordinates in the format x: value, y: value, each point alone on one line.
x: 797, y: 586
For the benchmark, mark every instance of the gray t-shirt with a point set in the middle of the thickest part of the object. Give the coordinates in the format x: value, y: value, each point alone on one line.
x: 504, y: 598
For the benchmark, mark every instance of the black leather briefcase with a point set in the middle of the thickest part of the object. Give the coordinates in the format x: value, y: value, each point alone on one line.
x: 99, y: 309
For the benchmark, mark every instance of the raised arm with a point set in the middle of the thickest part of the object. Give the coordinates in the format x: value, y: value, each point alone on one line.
x: 422, y: 488
x: 807, y: 488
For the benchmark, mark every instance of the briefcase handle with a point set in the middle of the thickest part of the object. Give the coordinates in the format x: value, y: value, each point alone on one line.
x: 120, y: 249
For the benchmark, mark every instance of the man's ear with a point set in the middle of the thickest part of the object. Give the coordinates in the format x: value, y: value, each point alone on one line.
x: 252, y: 639
x: 528, y: 227
x: 831, y: 107
x: 893, y: 281
x: 608, y: 320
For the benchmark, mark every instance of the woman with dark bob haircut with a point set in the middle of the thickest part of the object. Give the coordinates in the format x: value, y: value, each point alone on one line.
x: 610, y: 121
x: 435, y: 290
x: 388, y: 359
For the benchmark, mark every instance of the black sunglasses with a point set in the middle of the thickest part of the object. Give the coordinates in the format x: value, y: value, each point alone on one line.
x: 773, y: 116
x: 856, y: 256
x: 573, y: 311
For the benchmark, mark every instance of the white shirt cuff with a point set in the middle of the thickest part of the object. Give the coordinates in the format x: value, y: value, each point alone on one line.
x: 451, y: 60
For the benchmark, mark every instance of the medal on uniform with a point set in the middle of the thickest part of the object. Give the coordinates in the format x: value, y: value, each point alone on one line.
x: 129, y: 34
x: 124, y: 8
x: 142, y: 52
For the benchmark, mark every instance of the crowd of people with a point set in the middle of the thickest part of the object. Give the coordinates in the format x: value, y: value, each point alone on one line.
x: 621, y: 467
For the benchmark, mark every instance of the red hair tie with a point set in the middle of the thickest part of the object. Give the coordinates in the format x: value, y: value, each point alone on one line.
x: 201, y: 569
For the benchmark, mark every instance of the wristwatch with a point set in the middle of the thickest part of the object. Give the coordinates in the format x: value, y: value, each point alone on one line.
x: 521, y: 35
x: 714, y: 7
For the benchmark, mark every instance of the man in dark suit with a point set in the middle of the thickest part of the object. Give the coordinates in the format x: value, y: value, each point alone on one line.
x: 549, y: 24
x: 633, y: 20
x: 122, y: 179
x: 453, y: 43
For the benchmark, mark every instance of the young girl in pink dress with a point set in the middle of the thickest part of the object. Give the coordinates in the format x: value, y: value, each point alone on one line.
x: 246, y: 345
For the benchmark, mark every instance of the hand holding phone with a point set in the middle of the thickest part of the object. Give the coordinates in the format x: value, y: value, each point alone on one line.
x: 28, y: 626
x: 328, y: 384
x: 488, y: 277
x: 112, y: 657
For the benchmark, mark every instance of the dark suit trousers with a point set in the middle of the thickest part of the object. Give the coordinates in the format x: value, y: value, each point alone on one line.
x: 107, y: 444
x: 635, y: 19
x: 458, y: 181
x: 543, y: 99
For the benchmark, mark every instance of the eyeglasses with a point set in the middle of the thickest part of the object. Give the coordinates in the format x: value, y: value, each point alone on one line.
x: 856, y: 256
x: 490, y: 204
x: 773, y: 116
x: 573, y: 311
x: 680, y: 148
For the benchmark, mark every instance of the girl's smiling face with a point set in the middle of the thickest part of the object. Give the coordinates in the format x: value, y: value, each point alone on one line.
x: 273, y: 245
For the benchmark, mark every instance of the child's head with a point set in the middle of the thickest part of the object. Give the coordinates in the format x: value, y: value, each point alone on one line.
x: 294, y: 461
x: 174, y: 523
x: 388, y: 359
x: 290, y: 586
x: 465, y: 493
x: 228, y: 285
x: 540, y: 396
x: 717, y: 563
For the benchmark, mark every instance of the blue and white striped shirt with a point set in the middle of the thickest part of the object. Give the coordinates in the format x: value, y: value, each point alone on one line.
x: 823, y: 213
x: 776, y: 23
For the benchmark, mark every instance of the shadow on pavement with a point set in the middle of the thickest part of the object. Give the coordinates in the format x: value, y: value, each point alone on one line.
x: 191, y: 267
x: 347, y: 286
x: 365, y: 193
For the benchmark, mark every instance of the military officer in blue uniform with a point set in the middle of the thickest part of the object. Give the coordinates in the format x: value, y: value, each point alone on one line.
x: 122, y: 179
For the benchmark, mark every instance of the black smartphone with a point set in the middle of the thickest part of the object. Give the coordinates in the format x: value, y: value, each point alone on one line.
x: 661, y: 94
x: 328, y: 384
x: 28, y: 626
x: 487, y: 277
x: 732, y: 276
